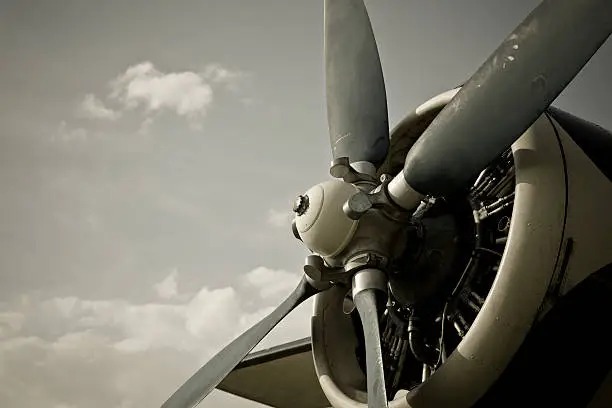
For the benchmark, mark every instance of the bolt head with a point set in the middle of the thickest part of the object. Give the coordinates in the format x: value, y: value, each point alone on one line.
x: 300, y: 205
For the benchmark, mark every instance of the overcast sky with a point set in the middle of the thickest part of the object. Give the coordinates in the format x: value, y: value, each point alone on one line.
x: 149, y: 155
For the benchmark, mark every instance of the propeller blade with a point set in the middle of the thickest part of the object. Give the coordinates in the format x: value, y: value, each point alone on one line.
x: 366, y: 304
x: 212, y: 373
x: 354, y: 84
x: 507, y: 93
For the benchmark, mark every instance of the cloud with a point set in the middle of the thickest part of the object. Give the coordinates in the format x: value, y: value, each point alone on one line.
x: 280, y: 219
x: 67, y: 134
x: 271, y: 283
x: 116, y: 353
x: 66, y: 306
x: 93, y: 108
x: 168, y: 288
x: 217, y: 74
x: 10, y: 323
x: 184, y: 93
x: 188, y: 94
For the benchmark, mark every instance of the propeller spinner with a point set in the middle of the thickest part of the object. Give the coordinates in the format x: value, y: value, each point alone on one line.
x: 357, y: 225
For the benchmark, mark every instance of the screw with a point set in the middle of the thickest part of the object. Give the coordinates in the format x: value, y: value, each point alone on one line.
x: 300, y: 205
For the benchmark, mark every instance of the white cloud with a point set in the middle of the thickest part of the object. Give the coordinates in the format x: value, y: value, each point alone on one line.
x: 220, y: 75
x: 115, y: 353
x: 66, y: 306
x: 280, y: 219
x: 10, y: 323
x: 93, y: 108
x: 188, y: 94
x: 185, y: 93
x: 67, y: 134
x: 168, y: 288
x: 272, y: 282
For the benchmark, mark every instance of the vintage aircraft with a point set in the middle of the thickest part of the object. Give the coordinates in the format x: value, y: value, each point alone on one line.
x: 462, y: 260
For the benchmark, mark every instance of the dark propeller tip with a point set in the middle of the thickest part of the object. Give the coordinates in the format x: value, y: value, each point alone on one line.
x: 355, y: 88
x: 507, y: 93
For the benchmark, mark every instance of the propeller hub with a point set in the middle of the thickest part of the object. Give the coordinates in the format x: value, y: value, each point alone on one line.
x: 320, y: 221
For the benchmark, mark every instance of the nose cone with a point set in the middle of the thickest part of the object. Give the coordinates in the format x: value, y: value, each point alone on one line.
x: 320, y: 221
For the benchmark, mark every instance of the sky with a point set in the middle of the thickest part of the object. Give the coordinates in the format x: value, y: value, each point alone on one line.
x: 150, y: 152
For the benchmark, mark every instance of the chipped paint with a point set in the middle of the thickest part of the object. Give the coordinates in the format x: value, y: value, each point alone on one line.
x: 437, y: 101
x: 338, y: 140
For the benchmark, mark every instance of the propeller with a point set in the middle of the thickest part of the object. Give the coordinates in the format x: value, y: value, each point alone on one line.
x: 212, y: 373
x: 355, y: 88
x: 503, y: 98
x: 366, y: 305
x: 358, y: 130
x: 507, y: 94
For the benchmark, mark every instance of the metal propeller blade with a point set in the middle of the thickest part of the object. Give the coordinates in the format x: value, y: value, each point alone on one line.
x: 356, y: 99
x: 366, y: 304
x: 212, y: 373
x: 507, y: 93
